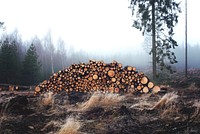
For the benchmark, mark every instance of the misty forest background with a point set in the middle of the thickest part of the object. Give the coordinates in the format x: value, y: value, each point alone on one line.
x: 30, y: 62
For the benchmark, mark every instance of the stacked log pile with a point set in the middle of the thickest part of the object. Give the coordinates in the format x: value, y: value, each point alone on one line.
x: 98, y: 76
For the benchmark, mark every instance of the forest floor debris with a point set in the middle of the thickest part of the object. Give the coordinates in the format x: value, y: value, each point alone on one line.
x: 177, y: 110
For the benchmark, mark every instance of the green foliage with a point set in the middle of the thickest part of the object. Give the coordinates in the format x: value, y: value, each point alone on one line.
x: 31, y: 67
x: 166, y: 17
x: 9, y: 61
x: 1, y: 24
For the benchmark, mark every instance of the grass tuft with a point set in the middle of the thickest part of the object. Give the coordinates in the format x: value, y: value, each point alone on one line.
x: 47, y: 99
x: 52, y: 125
x: 71, y: 126
x: 196, y: 114
x: 165, y: 100
x: 142, y: 102
x: 102, y: 100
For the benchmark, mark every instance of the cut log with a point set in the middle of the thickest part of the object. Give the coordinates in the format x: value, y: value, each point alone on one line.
x: 111, y: 90
x: 11, y: 88
x: 113, y: 80
x: 139, y: 88
x: 37, y: 89
x: 116, y: 90
x: 145, y: 89
x: 150, y: 85
x: 111, y: 73
x: 95, y: 77
x: 90, y: 78
x: 129, y: 68
x: 156, y: 89
x: 144, y: 80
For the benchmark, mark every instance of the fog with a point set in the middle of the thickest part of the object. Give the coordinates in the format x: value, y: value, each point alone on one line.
x: 65, y: 33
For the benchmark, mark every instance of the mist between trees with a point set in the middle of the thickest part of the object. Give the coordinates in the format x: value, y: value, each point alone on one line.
x: 31, y: 62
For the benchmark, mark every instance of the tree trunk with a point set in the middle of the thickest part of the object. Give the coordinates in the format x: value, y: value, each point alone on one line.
x: 52, y: 66
x: 153, y: 40
x: 186, y: 38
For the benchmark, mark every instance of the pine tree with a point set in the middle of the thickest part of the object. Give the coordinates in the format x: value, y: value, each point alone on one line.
x: 31, y: 67
x: 158, y: 17
x: 1, y: 25
x: 9, y: 63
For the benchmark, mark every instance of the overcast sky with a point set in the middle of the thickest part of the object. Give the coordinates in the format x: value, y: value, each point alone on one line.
x: 94, y: 25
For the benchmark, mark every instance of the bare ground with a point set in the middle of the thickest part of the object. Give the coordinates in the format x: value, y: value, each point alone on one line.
x: 176, y: 109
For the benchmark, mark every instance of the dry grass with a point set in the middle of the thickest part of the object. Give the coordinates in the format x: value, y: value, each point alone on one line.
x: 168, y: 98
x: 168, y: 107
x: 47, y: 99
x: 196, y: 115
x: 103, y: 100
x: 142, y: 102
x: 51, y: 125
x: 71, y: 126
x: 3, y: 112
x: 141, y: 105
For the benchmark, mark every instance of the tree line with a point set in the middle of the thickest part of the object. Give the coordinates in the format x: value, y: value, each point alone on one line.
x: 30, y: 62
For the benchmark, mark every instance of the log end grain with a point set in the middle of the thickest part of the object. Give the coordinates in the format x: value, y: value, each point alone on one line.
x: 95, y: 77
x: 145, y: 89
x: 144, y: 80
x: 37, y: 89
x: 156, y: 89
x: 111, y: 73
x: 150, y: 84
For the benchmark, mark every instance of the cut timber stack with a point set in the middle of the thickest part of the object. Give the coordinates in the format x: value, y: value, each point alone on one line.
x: 98, y: 76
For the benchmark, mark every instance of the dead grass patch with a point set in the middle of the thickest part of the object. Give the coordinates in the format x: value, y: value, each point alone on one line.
x: 71, y: 126
x: 52, y: 125
x: 167, y: 99
x: 168, y: 106
x: 102, y: 100
x: 143, y: 102
x: 196, y: 115
x: 46, y: 99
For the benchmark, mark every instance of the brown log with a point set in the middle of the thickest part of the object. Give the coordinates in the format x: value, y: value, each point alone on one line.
x: 129, y: 68
x: 150, y: 85
x: 113, y: 79
x: 144, y: 80
x: 116, y: 90
x: 90, y: 78
x: 156, y: 89
x: 111, y: 73
x: 120, y: 65
x: 139, y: 88
x: 145, y: 89
x: 111, y: 90
x: 37, y: 89
x: 95, y: 76
x: 11, y: 88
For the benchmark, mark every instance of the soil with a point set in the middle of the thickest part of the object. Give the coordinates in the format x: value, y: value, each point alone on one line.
x: 135, y: 114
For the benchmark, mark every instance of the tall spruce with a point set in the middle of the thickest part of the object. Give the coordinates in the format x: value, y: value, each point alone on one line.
x: 9, y: 62
x: 1, y: 25
x: 158, y: 18
x: 31, y: 67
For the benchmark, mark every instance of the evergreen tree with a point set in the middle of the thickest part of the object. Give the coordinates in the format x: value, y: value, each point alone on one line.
x: 1, y: 25
x: 158, y: 17
x: 9, y: 63
x: 31, y: 67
